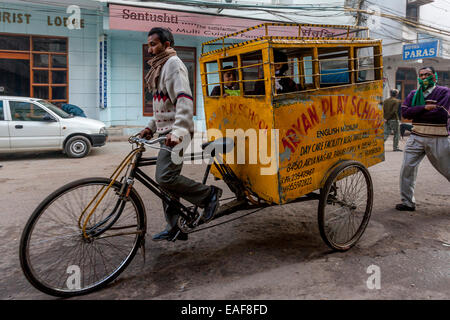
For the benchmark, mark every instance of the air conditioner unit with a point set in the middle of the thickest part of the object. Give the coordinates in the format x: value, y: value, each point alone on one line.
x: 283, y: 2
x: 419, y: 2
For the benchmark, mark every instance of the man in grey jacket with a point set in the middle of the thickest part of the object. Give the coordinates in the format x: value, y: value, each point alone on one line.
x: 173, y: 117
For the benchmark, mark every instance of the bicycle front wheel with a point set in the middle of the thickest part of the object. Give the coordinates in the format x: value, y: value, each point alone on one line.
x: 59, y: 260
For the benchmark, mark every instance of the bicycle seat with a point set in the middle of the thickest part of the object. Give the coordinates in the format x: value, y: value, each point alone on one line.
x: 221, y: 145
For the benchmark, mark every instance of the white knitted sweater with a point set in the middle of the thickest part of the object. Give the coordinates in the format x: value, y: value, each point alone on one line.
x: 173, y: 106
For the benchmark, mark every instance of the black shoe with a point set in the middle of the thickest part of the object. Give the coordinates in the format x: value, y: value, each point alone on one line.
x: 403, y: 207
x: 212, y: 204
x: 398, y: 150
x: 170, y: 235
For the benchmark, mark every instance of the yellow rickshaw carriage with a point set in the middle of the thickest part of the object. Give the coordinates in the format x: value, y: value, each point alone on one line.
x: 331, y: 114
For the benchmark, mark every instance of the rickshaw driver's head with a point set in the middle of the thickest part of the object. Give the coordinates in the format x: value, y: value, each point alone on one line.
x: 159, y: 39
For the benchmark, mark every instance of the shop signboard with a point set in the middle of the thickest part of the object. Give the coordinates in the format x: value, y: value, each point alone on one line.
x: 204, y: 25
x: 420, y: 50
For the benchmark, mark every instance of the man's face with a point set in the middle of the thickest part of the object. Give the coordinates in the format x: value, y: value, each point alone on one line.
x: 229, y: 78
x: 425, y: 73
x: 155, y: 46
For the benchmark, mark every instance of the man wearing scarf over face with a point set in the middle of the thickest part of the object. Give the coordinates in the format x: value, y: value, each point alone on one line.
x: 173, y: 109
x: 428, y: 107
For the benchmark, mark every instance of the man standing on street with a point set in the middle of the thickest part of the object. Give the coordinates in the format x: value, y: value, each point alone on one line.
x: 173, y: 109
x: 428, y: 107
x: 392, y: 122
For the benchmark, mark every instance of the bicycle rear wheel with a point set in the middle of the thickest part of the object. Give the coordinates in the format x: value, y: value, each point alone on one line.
x: 345, y: 205
x: 55, y: 256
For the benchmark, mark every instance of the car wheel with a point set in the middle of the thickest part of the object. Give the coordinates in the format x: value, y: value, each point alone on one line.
x: 77, y: 147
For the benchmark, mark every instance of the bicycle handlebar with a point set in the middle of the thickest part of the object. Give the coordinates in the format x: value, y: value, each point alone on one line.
x: 135, y: 139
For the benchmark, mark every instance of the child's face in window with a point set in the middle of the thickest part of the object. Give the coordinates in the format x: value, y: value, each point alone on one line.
x: 229, y: 78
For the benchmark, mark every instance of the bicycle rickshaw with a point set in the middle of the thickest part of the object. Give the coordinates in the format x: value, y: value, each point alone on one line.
x: 321, y: 137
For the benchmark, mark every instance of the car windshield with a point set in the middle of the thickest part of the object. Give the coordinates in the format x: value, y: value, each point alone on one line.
x: 55, y: 109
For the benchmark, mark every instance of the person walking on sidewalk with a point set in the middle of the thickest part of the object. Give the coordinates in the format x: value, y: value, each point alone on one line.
x: 392, y: 121
x: 428, y: 107
x: 173, y: 117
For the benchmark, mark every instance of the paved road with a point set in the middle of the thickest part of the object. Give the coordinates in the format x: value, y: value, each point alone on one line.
x: 274, y: 254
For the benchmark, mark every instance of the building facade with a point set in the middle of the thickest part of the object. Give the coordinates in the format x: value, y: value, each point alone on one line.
x: 51, y: 52
x: 407, y: 43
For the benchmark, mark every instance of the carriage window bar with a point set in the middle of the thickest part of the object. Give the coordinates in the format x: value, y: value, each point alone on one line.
x: 335, y: 67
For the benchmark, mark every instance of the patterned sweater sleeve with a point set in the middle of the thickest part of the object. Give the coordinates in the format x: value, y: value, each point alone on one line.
x: 177, y: 85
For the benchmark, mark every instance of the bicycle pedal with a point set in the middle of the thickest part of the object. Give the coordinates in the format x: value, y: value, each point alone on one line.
x: 199, y: 218
x: 143, y: 250
x: 175, y: 236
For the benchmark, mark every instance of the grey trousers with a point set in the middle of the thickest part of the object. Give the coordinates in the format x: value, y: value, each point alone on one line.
x: 168, y: 175
x: 437, y: 149
x: 392, y: 125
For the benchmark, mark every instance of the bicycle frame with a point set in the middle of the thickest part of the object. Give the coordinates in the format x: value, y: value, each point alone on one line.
x: 135, y: 161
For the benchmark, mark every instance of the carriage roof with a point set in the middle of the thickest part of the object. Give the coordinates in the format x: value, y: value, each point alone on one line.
x: 346, y: 35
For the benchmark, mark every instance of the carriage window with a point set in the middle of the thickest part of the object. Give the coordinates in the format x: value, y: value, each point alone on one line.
x: 253, y: 73
x: 230, y: 77
x: 365, y: 64
x: 308, y: 69
x: 333, y: 64
x: 1, y: 111
x: 212, y: 77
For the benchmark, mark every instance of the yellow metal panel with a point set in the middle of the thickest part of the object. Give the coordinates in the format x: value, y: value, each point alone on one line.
x: 323, y: 127
x: 245, y: 113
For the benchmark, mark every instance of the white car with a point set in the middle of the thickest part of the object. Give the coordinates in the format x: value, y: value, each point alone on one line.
x: 31, y: 124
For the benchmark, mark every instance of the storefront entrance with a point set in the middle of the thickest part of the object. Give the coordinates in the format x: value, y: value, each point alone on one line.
x: 15, y: 74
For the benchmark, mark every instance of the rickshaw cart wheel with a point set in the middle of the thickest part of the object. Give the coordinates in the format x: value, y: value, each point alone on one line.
x: 345, y: 205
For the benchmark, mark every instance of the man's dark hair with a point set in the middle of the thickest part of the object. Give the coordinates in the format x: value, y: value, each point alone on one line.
x: 163, y: 35
x: 431, y: 68
x: 279, y: 56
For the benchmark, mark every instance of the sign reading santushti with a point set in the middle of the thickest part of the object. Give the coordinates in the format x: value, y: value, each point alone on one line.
x: 202, y: 25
